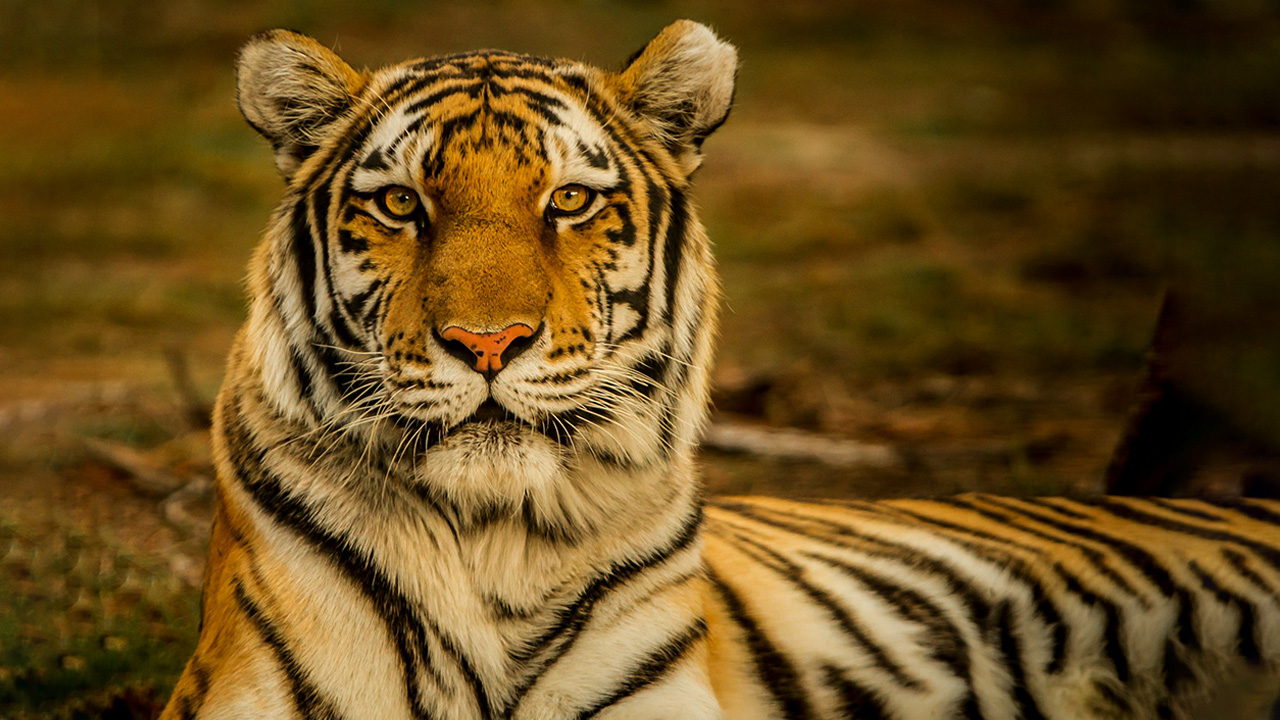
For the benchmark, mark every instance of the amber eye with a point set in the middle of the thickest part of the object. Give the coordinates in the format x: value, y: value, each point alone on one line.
x: 398, y: 201
x: 571, y: 199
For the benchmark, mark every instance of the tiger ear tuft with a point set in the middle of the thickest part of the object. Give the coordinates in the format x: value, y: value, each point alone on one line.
x: 681, y: 83
x: 291, y: 89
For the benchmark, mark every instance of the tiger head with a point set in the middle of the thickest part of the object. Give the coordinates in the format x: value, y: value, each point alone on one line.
x: 489, y: 261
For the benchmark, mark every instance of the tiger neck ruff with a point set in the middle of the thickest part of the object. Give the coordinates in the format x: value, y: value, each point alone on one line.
x: 454, y: 449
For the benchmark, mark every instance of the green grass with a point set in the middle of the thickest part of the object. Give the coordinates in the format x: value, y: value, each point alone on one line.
x: 85, y: 619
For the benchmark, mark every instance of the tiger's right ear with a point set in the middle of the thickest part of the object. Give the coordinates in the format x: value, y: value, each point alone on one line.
x: 291, y: 89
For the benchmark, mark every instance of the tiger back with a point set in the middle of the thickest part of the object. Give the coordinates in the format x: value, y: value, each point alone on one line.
x: 455, y: 451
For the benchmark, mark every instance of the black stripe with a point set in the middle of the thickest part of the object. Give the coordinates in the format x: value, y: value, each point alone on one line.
x: 350, y: 385
x: 612, y: 460
x: 1149, y: 566
x: 340, y: 323
x: 561, y: 533
x: 402, y: 622
x: 1247, y: 639
x: 658, y: 199
x: 1238, y: 561
x: 343, y: 147
x: 1049, y: 504
x: 1010, y: 647
x: 875, y: 547
x: 200, y: 675
x: 1112, y: 629
x: 1181, y: 508
x: 188, y: 706
x: 1121, y: 510
x: 649, y: 372
x: 349, y: 243
x: 1145, y: 562
x: 1044, y: 606
x: 306, y: 697
x: 304, y: 255
x: 303, y: 378
x: 1061, y: 630
x: 654, y: 667
x: 461, y: 86
x: 624, y: 234
x: 359, y: 132
x: 856, y: 702
x: 1001, y: 555
x: 1099, y: 559
x: 947, y: 645
x: 375, y: 160
x: 540, y: 103
x: 185, y: 708
x: 573, y: 619
x: 796, y: 576
x: 673, y: 248
x: 374, y: 312
x: 575, y: 81
x: 1253, y: 510
x: 773, y: 669
x: 357, y: 304
x: 1174, y: 669
x: 1138, y: 557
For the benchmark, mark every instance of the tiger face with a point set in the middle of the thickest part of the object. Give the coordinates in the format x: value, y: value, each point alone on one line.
x: 488, y: 261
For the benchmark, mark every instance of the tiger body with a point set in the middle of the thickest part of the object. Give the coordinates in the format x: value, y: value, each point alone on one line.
x: 992, y: 607
x: 455, y: 452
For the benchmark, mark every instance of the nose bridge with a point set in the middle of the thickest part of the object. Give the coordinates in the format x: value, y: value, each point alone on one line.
x: 488, y: 273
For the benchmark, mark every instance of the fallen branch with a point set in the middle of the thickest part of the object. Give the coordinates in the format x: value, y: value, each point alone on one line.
x: 177, y: 508
x: 791, y: 444
x: 75, y: 401
x: 145, y: 473
x: 195, y: 410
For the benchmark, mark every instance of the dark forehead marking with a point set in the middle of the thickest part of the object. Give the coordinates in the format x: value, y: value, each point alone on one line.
x: 487, y: 81
x: 539, y: 101
x: 498, y: 73
x: 488, y: 63
x: 543, y: 106
x: 375, y: 160
x: 476, y: 131
x: 485, y: 122
x: 490, y: 73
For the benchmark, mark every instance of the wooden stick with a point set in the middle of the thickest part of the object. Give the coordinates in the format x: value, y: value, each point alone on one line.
x: 790, y: 444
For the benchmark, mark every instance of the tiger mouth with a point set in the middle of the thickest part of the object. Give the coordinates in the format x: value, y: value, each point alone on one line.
x: 489, y: 416
x: 493, y: 415
x: 491, y: 412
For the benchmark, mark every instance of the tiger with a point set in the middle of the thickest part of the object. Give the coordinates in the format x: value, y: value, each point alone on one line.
x: 456, y: 440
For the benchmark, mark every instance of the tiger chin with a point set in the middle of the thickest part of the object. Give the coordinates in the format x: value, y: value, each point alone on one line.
x: 455, y: 452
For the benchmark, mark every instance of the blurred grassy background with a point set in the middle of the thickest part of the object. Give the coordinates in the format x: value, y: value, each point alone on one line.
x: 943, y: 227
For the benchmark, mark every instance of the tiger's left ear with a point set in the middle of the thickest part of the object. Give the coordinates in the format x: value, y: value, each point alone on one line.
x: 292, y: 89
x: 681, y: 84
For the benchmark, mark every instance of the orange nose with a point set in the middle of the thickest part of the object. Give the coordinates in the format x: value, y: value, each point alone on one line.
x: 488, y: 348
